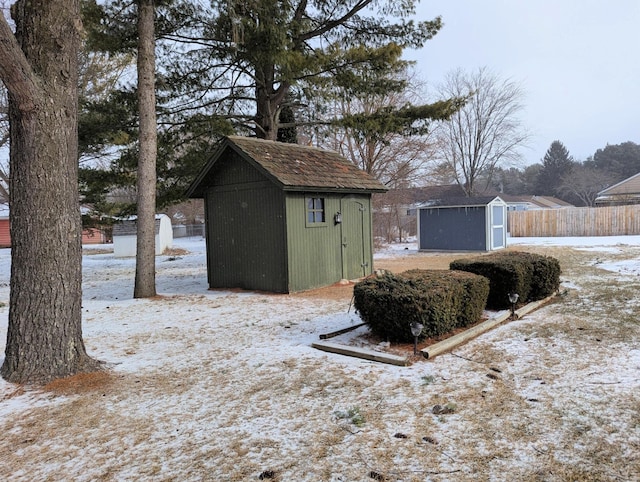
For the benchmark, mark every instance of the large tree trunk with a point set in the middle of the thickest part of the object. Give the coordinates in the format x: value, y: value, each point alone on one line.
x: 268, y: 102
x: 44, y: 339
x: 145, y: 284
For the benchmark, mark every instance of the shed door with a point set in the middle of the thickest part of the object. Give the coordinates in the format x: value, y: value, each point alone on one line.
x: 497, y: 227
x: 354, y: 259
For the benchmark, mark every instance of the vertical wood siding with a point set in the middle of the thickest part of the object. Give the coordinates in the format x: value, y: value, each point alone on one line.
x: 259, y: 237
x: 314, y: 257
x: 247, y: 244
x: 324, y: 254
x: 601, y: 221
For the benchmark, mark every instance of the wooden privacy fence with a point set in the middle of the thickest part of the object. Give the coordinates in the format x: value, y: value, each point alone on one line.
x: 602, y: 221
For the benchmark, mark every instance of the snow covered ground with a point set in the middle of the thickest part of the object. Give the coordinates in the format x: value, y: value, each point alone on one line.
x: 225, y: 386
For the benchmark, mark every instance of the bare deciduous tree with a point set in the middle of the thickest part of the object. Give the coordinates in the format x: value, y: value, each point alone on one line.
x: 396, y: 159
x: 483, y: 133
x: 387, y: 153
x: 584, y: 183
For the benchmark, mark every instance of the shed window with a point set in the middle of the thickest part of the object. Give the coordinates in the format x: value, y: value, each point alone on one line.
x: 315, y: 210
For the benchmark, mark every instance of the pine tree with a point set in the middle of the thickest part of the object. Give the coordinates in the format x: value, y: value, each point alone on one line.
x: 269, y: 50
x: 620, y: 160
x: 556, y: 165
x: 371, y: 121
x: 287, y: 131
x: 39, y: 68
x: 145, y: 280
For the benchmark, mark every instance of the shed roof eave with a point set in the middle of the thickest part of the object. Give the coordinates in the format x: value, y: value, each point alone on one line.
x: 332, y: 189
x: 481, y: 202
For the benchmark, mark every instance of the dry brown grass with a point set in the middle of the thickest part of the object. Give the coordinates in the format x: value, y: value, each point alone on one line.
x: 175, y: 252
x: 90, y: 251
x: 81, y: 383
x: 540, y: 399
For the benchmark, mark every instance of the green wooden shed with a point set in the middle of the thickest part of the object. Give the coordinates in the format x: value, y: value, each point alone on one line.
x: 284, y: 217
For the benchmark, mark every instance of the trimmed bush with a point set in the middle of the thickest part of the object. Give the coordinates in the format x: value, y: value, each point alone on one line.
x: 470, y: 292
x: 532, y: 276
x: 440, y: 300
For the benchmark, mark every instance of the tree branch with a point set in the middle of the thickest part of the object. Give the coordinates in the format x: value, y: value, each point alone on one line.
x: 15, y: 71
x: 334, y: 23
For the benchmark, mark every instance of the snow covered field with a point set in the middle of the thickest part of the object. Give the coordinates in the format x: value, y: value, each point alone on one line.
x: 224, y: 385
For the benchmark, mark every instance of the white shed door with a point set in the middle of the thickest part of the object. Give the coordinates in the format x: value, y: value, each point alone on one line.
x: 497, y: 227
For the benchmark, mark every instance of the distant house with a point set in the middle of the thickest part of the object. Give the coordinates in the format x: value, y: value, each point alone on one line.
x: 94, y: 236
x: 624, y: 192
x: 125, y: 236
x: 463, y: 224
x: 89, y: 235
x: 5, y: 233
x: 530, y: 202
x: 284, y: 217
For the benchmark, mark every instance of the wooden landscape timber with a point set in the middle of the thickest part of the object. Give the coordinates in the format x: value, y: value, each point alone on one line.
x: 364, y: 353
x: 432, y: 350
x: 450, y: 343
x: 325, y: 336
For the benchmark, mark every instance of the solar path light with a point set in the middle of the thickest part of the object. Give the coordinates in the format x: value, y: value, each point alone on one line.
x: 416, y: 329
x: 513, y: 299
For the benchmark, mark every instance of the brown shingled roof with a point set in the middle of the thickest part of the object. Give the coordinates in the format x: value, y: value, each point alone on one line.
x: 293, y: 166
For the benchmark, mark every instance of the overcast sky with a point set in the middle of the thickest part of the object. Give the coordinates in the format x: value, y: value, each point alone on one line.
x: 578, y: 62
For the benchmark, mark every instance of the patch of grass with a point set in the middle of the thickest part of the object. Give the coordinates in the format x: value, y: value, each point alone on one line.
x: 352, y: 415
x: 428, y: 380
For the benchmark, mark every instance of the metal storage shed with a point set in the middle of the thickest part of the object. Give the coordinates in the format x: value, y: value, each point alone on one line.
x: 463, y: 224
x: 284, y: 217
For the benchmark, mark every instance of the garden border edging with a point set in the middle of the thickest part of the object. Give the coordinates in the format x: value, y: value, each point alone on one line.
x: 432, y: 350
x: 446, y: 345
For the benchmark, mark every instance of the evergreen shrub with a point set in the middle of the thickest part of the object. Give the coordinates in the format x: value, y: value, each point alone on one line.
x: 439, y: 300
x: 532, y: 276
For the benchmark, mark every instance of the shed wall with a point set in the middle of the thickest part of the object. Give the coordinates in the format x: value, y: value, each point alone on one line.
x: 324, y: 254
x: 314, y: 250
x: 453, y: 228
x: 246, y: 240
x: 164, y: 234
x: 125, y: 237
